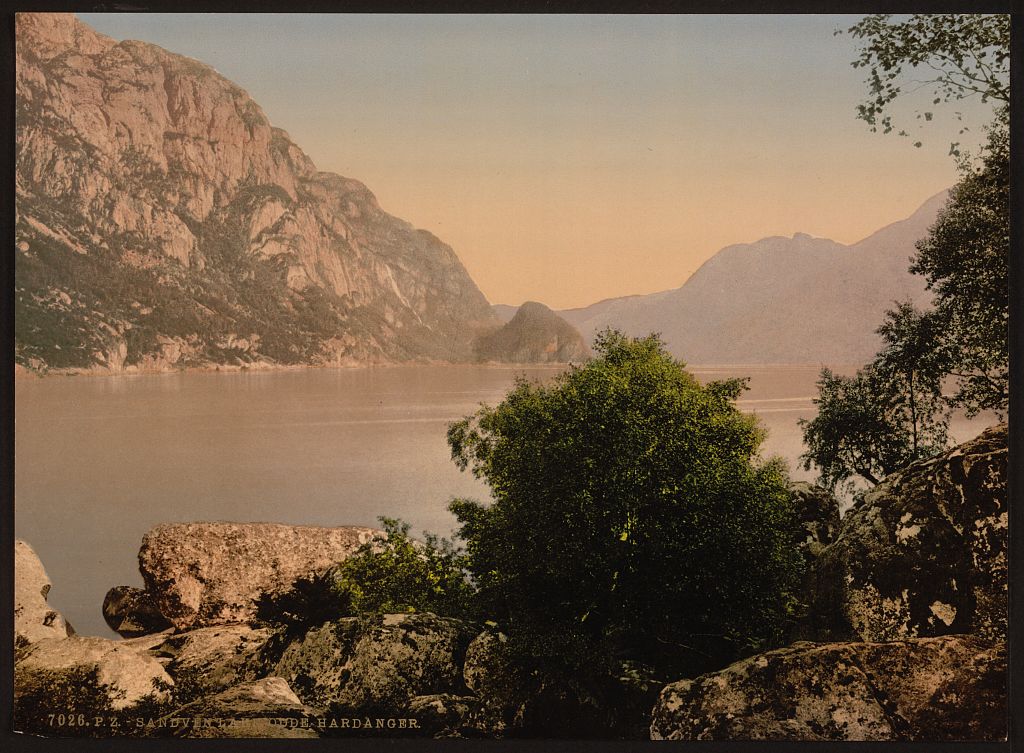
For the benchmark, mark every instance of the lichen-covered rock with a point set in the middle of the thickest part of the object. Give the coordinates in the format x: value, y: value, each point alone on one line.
x: 377, y: 662
x: 131, y: 612
x: 489, y: 673
x: 818, y: 512
x: 123, y: 675
x: 924, y: 552
x: 934, y: 689
x: 208, y: 660
x: 261, y: 709
x: 34, y: 619
x: 204, y: 574
x: 445, y: 715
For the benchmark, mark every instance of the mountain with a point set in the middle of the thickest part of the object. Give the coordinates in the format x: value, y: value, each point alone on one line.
x: 779, y: 300
x: 534, y: 334
x: 162, y: 221
x: 504, y: 311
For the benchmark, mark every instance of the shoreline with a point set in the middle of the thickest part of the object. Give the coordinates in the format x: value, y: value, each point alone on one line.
x: 23, y: 373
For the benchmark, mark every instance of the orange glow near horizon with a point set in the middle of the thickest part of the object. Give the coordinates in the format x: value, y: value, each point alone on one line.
x: 568, y: 159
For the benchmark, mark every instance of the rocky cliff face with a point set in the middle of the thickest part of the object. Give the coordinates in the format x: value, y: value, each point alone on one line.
x: 534, y: 334
x: 162, y: 221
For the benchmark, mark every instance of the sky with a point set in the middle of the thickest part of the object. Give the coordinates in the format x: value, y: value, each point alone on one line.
x: 568, y: 159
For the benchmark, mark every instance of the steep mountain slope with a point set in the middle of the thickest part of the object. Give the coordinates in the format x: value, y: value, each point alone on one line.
x: 534, y: 334
x: 779, y: 300
x: 162, y: 221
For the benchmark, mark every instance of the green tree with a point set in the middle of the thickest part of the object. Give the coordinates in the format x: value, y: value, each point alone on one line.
x: 631, y: 517
x: 965, y: 259
x: 909, y: 370
x: 954, y: 56
x: 893, y: 411
x: 889, y: 413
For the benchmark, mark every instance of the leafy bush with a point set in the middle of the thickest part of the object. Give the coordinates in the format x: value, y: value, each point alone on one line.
x: 398, y: 574
x: 631, y: 517
x: 391, y: 573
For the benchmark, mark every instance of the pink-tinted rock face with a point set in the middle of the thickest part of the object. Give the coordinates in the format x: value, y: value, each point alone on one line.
x: 34, y: 619
x: 204, y: 223
x: 201, y: 574
x: 119, y: 674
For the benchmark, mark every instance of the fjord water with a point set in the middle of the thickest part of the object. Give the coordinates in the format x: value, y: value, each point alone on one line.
x: 100, y: 460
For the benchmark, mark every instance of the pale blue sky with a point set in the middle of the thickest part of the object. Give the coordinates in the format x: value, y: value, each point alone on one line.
x: 572, y: 158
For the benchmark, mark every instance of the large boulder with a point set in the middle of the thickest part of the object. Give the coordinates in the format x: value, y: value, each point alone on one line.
x: 261, y: 709
x: 934, y: 689
x: 377, y: 662
x: 924, y: 552
x: 131, y: 612
x: 209, y: 660
x: 204, y: 574
x: 34, y: 619
x: 85, y: 672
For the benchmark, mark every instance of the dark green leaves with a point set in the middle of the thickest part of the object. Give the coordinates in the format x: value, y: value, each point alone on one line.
x: 965, y: 259
x: 630, y: 517
x: 889, y: 413
x: 954, y: 55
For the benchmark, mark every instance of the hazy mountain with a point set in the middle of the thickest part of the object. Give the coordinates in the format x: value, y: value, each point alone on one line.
x: 534, y: 334
x: 779, y: 300
x: 162, y: 221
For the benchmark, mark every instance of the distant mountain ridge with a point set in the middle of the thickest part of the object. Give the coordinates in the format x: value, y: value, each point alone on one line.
x: 533, y: 334
x: 162, y: 222
x: 779, y: 300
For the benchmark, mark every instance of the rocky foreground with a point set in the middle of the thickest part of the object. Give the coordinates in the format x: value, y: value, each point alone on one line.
x: 903, y: 638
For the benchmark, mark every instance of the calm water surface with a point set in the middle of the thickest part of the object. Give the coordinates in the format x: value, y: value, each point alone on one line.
x: 100, y: 460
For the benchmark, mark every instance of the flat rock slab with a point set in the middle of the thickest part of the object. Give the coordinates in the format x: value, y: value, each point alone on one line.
x: 265, y: 708
x: 204, y: 574
x: 119, y: 675
x: 928, y: 689
x: 34, y: 619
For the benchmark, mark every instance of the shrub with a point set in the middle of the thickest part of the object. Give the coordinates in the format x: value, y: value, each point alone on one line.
x: 631, y: 518
x: 394, y: 573
x: 391, y: 573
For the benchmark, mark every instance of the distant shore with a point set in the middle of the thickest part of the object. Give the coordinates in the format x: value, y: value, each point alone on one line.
x: 22, y: 372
